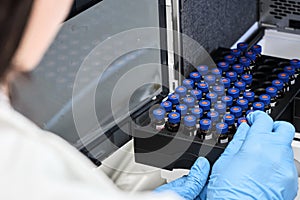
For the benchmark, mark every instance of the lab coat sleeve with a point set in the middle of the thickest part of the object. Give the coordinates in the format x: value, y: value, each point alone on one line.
x: 37, y: 165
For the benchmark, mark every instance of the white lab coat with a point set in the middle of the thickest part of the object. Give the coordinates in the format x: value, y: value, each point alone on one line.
x: 38, y: 165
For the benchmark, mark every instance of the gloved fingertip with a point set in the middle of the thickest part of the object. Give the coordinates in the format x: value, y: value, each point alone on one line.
x: 200, y: 168
x: 283, y: 126
x: 203, y: 163
x: 241, y: 132
x: 285, y: 130
x: 260, y: 122
x: 243, y: 127
x: 258, y: 115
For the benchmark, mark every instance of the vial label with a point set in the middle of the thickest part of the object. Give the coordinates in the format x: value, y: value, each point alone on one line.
x: 224, y: 141
x: 292, y: 82
x: 208, y: 137
x: 288, y: 89
x: 197, y: 125
x: 268, y: 111
x: 159, y: 127
x: 273, y: 104
x: 194, y: 133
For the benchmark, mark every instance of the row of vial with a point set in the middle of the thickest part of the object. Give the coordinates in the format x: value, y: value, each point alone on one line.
x: 192, y: 102
x: 215, y: 125
x: 204, y: 94
x: 242, y: 59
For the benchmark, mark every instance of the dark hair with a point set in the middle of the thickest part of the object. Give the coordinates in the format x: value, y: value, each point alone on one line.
x: 14, y: 15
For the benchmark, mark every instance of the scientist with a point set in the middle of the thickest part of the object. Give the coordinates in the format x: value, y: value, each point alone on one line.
x: 258, y: 163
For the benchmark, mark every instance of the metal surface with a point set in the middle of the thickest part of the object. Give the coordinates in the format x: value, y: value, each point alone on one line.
x: 176, y: 12
x: 171, y: 24
x: 281, y: 14
x: 280, y: 44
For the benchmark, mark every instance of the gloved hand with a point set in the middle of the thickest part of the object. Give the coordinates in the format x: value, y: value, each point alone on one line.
x: 190, y: 186
x: 257, y: 164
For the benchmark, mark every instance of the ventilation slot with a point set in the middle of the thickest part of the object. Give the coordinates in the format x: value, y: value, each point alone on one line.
x: 280, y: 9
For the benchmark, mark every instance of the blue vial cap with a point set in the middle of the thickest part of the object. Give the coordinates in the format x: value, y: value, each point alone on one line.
x: 245, y: 61
x: 174, y: 118
x: 219, y: 90
x: 228, y: 100
x: 224, y: 66
x: 213, y: 116
x: 247, y: 78
x: 202, y: 69
x: 188, y: 83
x: 249, y: 96
x: 205, y: 105
x: 210, y: 79
x: 249, y: 111
x: 189, y: 101
x: 190, y: 120
x: 232, y: 76
x: 174, y: 98
x: 205, y: 124
x: 236, y: 111
x: 242, y: 120
x: 259, y: 106
x: 234, y: 92
x: 226, y: 82
x: 230, y: 59
x: 222, y: 128
x: 159, y: 114
x: 182, y: 109
x: 241, y: 85
x: 220, y: 108
x: 167, y: 106
x: 257, y: 49
x: 197, y: 112
x: 238, y: 68
x: 265, y: 98
x: 290, y: 70
x: 278, y: 84
x: 217, y: 72
x: 181, y: 91
x: 251, y: 55
x: 272, y: 91
x: 229, y: 119
x: 243, y: 46
x: 212, y: 97
x: 243, y: 103
x: 236, y: 52
x: 295, y: 63
x: 197, y: 94
x: 203, y: 86
x: 284, y: 77
x: 195, y: 76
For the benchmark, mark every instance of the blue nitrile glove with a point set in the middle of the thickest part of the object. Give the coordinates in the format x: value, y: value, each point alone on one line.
x: 203, y: 194
x: 190, y: 186
x: 257, y: 164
